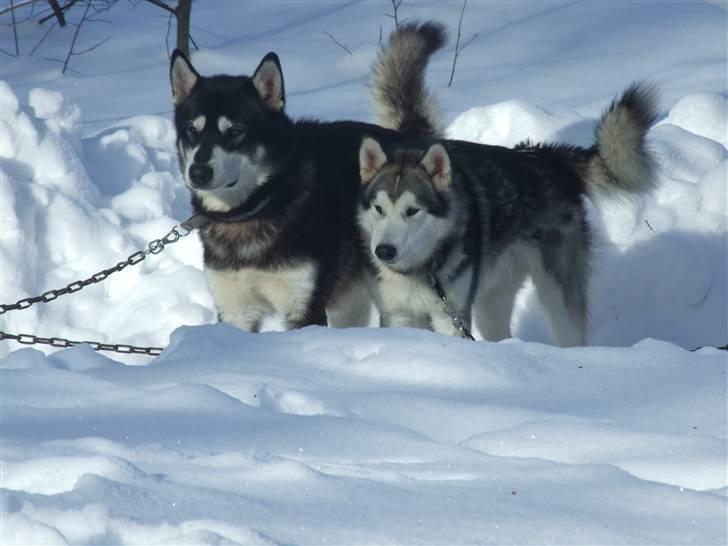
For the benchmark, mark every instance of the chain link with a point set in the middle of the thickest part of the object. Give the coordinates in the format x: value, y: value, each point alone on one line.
x: 153, y: 247
x: 455, y: 317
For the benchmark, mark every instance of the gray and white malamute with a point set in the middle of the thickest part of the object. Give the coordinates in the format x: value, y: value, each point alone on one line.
x: 280, y: 198
x: 481, y: 218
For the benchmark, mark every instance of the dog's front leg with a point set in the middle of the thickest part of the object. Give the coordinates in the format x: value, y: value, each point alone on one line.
x: 442, y: 323
x: 237, y: 300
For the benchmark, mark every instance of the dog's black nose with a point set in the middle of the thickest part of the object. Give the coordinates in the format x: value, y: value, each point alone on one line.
x: 200, y: 175
x: 386, y: 253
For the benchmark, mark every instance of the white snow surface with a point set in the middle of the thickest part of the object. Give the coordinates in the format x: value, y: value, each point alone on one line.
x: 361, y: 436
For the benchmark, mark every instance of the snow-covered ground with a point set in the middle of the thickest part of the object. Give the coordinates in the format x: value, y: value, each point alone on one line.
x: 361, y: 436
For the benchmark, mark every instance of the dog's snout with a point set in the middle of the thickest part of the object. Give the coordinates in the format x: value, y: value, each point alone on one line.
x: 386, y: 253
x: 200, y: 175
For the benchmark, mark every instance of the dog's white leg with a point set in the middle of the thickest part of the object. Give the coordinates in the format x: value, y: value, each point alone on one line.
x: 443, y: 324
x: 237, y: 302
x: 404, y: 318
x: 494, y: 306
x: 457, y: 295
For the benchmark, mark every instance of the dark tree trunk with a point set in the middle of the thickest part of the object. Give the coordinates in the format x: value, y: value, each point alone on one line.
x: 182, y: 13
x: 58, y: 12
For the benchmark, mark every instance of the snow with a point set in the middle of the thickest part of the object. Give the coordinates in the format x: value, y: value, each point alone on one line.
x: 363, y: 435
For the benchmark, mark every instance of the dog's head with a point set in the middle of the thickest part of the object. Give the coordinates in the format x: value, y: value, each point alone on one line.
x: 230, y: 130
x: 405, y: 203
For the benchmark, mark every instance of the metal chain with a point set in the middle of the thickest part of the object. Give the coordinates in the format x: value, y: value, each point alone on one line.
x: 153, y: 247
x: 455, y: 317
x: 30, y: 339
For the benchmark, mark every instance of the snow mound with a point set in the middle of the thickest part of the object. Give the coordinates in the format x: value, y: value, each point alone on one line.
x: 703, y: 114
x: 71, y: 207
x: 508, y: 123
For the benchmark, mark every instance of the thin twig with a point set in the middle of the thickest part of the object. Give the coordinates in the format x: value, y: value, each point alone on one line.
x: 63, y: 10
x: 58, y: 12
x: 395, y: 16
x: 102, y: 42
x: 72, y: 50
x: 338, y: 43
x: 15, y: 31
x: 166, y: 36
x: 162, y: 5
x: 47, y: 32
x: 13, y: 7
x: 75, y: 37
x: 458, y: 47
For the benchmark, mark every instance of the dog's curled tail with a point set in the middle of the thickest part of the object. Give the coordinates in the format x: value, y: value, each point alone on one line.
x: 401, y: 99
x: 622, y: 162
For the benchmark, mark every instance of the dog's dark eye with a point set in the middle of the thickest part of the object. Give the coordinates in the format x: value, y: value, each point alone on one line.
x: 411, y: 211
x: 378, y: 209
x: 235, y: 131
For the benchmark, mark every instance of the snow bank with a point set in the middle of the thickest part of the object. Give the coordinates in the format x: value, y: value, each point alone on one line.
x: 72, y: 207
x: 364, y: 436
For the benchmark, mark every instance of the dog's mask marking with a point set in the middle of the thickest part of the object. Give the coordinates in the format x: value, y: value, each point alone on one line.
x: 371, y: 159
x: 183, y: 77
x: 223, y: 124
x: 403, y: 223
x: 268, y: 81
x: 199, y: 123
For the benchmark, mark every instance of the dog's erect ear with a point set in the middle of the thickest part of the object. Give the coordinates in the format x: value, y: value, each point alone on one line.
x: 268, y: 80
x: 437, y: 164
x: 182, y: 76
x: 371, y: 159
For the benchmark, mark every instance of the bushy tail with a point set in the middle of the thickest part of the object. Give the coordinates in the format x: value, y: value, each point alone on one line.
x: 401, y: 99
x: 622, y: 162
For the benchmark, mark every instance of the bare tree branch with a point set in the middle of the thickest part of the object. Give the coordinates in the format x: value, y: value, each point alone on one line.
x: 162, y: 5
x: 98, y: 44
x: 75, y: 37
x: 183, y: 12
x: 166, y: 36
x: 47, y: 32
x: 58, y: 12
x: 15, y: 30
x: 72, y: 51
x: 182, y: 15
x: 13, y: 7
x: 63, y: 10
x: 395, y: 16
x: 338, y: 43
x: 459, y: 48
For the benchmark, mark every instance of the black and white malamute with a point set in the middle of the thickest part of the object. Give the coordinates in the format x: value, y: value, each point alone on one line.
x: 481, y: 218
x: 280, y: 196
